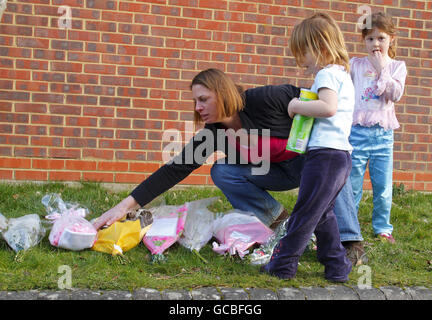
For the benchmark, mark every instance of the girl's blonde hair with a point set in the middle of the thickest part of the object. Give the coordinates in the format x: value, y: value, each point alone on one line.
x: 229, y: 95
x: 384, y: 23
x: 322, y: 36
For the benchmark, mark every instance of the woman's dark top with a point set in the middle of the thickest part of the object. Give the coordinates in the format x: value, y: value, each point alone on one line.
x: 266, y: 107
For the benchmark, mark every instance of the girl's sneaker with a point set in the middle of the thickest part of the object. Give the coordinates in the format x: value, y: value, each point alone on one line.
x: 386, y: 237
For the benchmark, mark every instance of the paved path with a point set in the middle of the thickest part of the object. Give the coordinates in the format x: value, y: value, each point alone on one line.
x: 336, y: 292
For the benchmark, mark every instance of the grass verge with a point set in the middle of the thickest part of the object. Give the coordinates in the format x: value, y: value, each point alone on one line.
x: 406, y: 263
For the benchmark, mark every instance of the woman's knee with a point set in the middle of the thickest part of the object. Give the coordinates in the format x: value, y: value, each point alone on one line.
x: 222, y: 173
x: 218, y: 173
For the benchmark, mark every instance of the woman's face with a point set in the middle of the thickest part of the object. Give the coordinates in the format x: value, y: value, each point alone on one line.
x: 205, y: 103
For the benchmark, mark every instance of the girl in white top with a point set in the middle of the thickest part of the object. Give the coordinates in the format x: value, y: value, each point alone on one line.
x: 318, y: 45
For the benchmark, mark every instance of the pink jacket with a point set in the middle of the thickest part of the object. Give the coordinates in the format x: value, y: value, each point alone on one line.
x: 375, y: 96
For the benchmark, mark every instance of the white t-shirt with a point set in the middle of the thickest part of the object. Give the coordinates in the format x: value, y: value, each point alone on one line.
x: 333, y: 132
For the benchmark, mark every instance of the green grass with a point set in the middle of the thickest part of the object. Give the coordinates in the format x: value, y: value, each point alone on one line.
x: 406, y: 263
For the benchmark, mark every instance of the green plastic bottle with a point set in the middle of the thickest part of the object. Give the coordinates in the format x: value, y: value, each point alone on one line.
x: 302, y: 126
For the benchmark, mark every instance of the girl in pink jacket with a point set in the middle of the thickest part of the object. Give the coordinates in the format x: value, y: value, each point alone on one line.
x: 379, y: 82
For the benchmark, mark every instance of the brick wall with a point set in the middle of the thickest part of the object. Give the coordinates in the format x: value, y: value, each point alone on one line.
x: 91, y: 100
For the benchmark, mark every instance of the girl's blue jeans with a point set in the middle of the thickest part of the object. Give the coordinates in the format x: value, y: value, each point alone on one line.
x: 346, y: 214
x: 249, y: 192
x: 374, y: 146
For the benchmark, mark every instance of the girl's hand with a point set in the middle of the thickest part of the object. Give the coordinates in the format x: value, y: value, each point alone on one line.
x: 292, y: 105
x: 378, y: 61
x: 325, y: 107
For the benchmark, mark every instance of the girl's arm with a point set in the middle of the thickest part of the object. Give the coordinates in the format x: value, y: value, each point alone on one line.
x: 392, y: 85
x: 324, y: 107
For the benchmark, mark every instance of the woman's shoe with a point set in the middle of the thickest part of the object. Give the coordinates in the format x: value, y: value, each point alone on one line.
x: 282, y: 217
x: 355, y: 252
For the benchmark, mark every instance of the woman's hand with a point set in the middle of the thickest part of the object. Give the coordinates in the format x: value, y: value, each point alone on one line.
x: 116, y: 213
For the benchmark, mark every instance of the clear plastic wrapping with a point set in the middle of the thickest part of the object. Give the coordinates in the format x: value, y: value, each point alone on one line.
x: 263, y: 254
x: 23, y: 232
x: 237, y: 231
x: 169, y: 226
x: 198, y: 229
x: 70, y: 229
x: 168, y: 223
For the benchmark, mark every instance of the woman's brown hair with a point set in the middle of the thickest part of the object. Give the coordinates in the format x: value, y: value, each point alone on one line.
x: 384, y: 23
x: 228, y: 94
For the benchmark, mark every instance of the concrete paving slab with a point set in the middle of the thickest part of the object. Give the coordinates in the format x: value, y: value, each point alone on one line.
x: 419, y: 293
x: 176, y: 295
x: 342, y: 293
x: 335, y: 292
x: 116, y: 295
x: 53, y: 295
x: 369, y: 293
x: 21, y: 295
x: 290, y: 294
x: 146, y: 294
x: 234, y: 294
x: 86, y: 294
x: 262, y: 294
x: 395, y: 293
x: 207, y: 293
x: 316, y: 293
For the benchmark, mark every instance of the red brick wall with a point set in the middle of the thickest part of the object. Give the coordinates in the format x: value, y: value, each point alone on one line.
x: 92, y: 102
